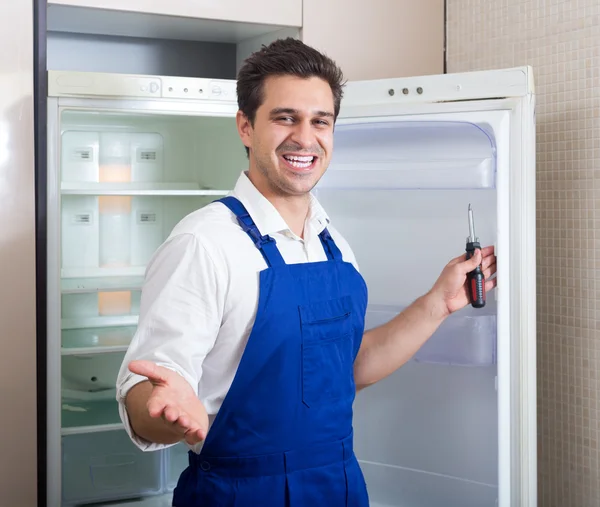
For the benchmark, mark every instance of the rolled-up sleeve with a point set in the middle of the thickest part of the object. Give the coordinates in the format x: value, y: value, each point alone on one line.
x: 180, y: 315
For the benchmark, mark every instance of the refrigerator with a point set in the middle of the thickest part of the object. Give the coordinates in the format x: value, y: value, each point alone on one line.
x: 131, y: 155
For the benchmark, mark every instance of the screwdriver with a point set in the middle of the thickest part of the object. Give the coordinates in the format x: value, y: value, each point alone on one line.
x: 475, y: 277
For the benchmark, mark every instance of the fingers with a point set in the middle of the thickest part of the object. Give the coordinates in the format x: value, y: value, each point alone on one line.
x: 456, y: 260
x: 490, y: 284
x: 470, y: 264
x: 491, y: 270
x: 179, y: 420
x: 156, y: 406
x: 487, y: 261
x: 486, y: 251
x: 191, y: 431
x: 487, y: 255
x: 171, y: 414
x: 195, y: 436
x: 154, y: 373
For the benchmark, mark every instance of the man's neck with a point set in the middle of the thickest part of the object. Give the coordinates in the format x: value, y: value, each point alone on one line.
x: 293, y: 209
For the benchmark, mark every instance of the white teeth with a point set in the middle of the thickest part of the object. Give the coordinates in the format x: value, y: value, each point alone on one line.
x: 299, y: 162
x: 301, y: 165
x: 299, y: 159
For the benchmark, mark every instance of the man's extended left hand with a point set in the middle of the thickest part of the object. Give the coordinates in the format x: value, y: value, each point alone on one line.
x: 450, y: 291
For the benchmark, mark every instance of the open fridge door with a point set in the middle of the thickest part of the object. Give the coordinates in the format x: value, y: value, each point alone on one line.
x: 456, y: 425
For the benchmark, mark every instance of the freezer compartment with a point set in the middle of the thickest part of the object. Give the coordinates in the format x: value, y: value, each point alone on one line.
x: 412, y: 155
x: 108, y: 235
x: 102, y: 149
x: 399, y: 487
x: 107, y: 466
x: 465, y: 338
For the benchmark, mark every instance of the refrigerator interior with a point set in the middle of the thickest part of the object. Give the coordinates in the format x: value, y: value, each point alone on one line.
x: 398, y: 189
x: 125, y: 179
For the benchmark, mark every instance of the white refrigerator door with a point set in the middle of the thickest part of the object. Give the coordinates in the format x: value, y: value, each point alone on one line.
x: 456, y: 425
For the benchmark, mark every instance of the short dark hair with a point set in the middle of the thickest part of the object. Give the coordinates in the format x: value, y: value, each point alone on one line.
x: 285, y: 57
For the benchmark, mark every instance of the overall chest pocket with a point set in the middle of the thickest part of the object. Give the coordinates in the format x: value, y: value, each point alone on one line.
x: 327, y: 351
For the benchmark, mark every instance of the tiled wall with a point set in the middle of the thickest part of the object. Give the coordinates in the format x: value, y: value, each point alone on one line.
x: 561, y: 40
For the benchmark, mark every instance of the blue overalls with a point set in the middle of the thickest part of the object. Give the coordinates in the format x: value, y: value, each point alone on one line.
x: 283, y: 435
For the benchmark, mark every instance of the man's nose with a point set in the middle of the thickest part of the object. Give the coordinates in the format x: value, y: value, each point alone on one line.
x: 303, y: 134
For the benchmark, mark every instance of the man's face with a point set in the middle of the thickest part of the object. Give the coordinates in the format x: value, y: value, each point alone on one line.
x: 292, y: 137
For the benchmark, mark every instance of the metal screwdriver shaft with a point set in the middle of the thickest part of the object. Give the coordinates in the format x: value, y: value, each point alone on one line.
x: 472, y: 238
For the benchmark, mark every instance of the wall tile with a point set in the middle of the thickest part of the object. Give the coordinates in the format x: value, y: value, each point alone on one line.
x: 561, y: 41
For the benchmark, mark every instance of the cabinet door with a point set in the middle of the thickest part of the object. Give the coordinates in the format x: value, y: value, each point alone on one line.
x: 272, y: 12
x: 378, y: 39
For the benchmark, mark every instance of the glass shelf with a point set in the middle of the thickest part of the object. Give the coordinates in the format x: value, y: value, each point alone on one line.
x: 96, y: 340
x: 99, y: 284
x: 97, y: 322
x: 465, y: 338
x: 138, y: 189
x: 89, y: 416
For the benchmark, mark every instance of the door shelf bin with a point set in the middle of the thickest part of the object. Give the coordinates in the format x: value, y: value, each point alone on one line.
x: 410, y: 175
x: 412, y: 155
x: 466, y: 338
x: 107, y: 466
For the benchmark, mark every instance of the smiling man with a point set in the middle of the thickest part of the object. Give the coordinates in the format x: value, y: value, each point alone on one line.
x: 251, y: 345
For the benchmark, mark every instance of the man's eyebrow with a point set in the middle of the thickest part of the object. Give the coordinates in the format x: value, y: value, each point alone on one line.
x: 289, y: 110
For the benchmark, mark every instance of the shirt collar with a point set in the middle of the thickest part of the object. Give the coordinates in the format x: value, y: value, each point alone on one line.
x: 265, y: 215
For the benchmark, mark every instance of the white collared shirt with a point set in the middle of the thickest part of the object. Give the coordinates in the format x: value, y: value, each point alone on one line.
x: 201, y: 291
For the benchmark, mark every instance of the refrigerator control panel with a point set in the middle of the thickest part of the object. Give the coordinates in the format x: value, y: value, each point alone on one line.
x: 90, y: 84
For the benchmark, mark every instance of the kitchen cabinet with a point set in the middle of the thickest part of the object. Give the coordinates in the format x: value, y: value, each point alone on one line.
x: 378, y: 39
x: 269, y: 12
x: 205, y: 38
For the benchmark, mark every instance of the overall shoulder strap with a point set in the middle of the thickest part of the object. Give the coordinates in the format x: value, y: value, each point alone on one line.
x: 266, y: 244
x: 331, y: 249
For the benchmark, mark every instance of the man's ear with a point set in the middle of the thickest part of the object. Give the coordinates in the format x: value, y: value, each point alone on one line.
x: 245, y: 129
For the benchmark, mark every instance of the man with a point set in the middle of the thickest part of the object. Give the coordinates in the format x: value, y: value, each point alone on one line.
x: 252, y: 314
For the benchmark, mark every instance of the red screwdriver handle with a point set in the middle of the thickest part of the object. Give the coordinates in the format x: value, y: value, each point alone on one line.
x: 476, y: 279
